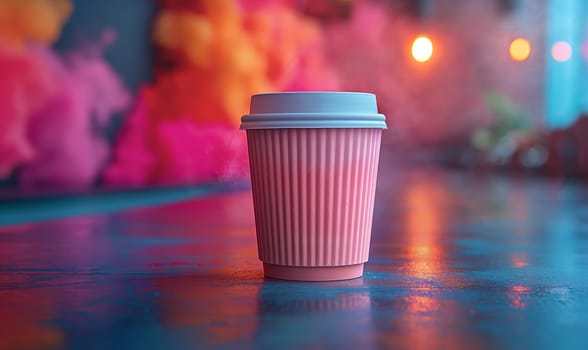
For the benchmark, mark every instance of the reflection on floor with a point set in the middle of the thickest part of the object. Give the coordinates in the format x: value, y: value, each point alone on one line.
x: 457, y: 261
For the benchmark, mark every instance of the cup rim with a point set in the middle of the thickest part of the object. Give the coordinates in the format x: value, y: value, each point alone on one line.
x: 313, y: 109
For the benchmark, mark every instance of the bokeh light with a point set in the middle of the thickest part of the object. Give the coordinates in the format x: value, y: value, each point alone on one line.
x: 561, y: 51
x: 520, y: 49
x: 422, y: 49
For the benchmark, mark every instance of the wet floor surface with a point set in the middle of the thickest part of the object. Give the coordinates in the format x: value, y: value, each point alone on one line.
x: 457, y: 261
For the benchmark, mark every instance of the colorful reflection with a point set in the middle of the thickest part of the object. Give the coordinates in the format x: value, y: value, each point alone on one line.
x: 441, y: 275
x: 518, y: 295
x: 425, y: 318
x: 425, y: 221
x: 223, y: 315
x: 192, y: 233
x: 199, y: 298
x: 51, y: 284
x: 216, y: 272
x: 426, y: 321
x: 422, y: 304
x: 520, y: 212
x: 333, y: 315
x: 86, y: 275
x: 519, y: 260
x: 25, y: 317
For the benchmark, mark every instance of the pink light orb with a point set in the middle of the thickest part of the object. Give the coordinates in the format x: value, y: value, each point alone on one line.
x: 561, y: 51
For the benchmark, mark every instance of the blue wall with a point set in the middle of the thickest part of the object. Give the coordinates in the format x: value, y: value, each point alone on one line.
x: 566, y: 95
x: 131, y: 19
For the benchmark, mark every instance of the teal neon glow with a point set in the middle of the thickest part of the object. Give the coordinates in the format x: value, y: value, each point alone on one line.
x: 566, y: 88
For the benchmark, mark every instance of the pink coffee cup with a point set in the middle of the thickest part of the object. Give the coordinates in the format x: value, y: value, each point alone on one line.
x: 314, y: 160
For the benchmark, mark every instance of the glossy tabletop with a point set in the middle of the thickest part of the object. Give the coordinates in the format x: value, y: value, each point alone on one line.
x: 457, y: 262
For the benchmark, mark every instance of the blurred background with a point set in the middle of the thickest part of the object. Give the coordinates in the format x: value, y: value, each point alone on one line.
x: 140, y: 93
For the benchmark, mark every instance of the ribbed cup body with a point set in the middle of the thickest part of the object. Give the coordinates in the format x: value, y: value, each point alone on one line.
x: 313, y: 194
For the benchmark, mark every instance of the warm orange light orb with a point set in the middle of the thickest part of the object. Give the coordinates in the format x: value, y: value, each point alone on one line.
x: 561, y: 51
x: 422, y: 49
x: 520, y: 49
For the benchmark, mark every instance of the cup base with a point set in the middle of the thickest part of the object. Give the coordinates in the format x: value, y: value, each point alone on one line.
x: 314, y: 273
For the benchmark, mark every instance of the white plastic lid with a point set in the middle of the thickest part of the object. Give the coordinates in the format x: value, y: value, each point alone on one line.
x: 310, y: 110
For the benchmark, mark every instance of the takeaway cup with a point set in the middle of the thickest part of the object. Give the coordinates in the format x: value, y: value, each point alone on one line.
x: 314, y: 160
